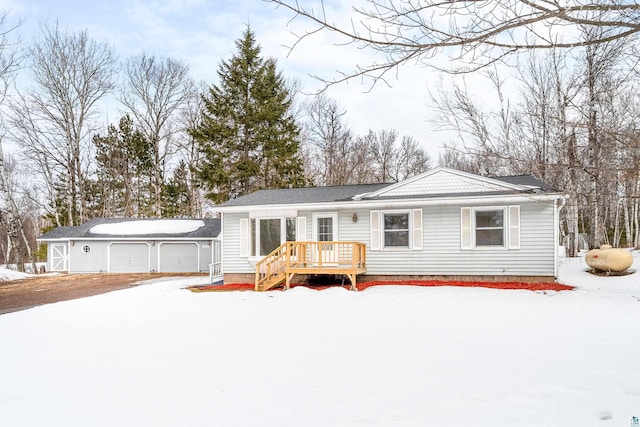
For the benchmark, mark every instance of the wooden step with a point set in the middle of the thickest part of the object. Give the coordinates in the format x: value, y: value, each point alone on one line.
x: 270, y: 282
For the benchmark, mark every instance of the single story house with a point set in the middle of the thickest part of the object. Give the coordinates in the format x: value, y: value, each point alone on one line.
x: 443, y: 223
x: 128, y: 245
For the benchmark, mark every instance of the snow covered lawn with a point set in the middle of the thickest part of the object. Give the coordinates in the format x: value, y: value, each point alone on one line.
x: 157, y: 355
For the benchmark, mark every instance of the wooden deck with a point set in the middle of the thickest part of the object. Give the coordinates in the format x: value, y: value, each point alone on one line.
x: 291, y: 258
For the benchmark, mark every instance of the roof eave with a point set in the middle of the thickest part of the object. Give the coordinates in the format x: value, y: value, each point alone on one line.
x: 106, y: 238
x: 383, y: 203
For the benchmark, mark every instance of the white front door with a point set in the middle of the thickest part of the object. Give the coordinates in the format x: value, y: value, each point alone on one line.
x: 59, y: 257
x: 325, y: 229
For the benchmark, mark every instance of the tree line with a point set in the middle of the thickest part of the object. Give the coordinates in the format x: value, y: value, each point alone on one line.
x: 179, y: 146
x: 572, y: 119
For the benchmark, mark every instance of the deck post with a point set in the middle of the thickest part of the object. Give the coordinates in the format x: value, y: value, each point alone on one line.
x: 352, y: 278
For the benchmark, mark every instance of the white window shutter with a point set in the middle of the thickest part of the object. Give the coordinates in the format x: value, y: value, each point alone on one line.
x: 244, y: 237
x: 417, y: 229
x: 301, y: 229
x: 375, y: 230
x: 514, y: 227
x: 465, y: 228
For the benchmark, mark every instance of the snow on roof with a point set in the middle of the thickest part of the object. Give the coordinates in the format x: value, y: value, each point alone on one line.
x: 163, y: 226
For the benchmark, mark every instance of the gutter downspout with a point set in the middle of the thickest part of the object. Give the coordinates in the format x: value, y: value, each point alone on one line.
x: 556, y: 233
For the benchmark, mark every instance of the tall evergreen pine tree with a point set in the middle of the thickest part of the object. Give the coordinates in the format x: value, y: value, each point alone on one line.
x: 248, y: 135
x: 124, y: 165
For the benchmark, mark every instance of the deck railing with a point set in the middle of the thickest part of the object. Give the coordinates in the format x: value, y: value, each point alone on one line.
x: 215, y: 272
x: 290, y: 258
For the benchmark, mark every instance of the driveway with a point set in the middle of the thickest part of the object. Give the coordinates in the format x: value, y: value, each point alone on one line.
x: 21, y: 294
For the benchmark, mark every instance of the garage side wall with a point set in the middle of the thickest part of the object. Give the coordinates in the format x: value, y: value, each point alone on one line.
x: 88, y: 257
x: 140, y: 256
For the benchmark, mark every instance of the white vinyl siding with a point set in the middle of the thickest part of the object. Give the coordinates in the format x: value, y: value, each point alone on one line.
x: 235, y: 252
x: 442, y: 229
x: 443, y: 255
x: 244, y: 237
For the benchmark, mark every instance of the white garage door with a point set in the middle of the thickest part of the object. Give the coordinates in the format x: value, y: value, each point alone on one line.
x: 128, y: 258
x: 178, y: 258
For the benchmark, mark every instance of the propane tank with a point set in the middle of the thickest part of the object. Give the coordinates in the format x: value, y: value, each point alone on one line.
x: 609, y: 259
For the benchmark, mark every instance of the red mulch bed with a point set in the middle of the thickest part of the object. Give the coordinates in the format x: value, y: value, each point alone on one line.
x: 531, y: 286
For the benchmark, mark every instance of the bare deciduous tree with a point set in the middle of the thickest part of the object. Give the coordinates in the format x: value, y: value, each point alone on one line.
x: 337, y: 158
x: 188, y: 146
x: 473, y: 34
x: 411, y: 159
x: 10, y: 215
x: 331, y: 140
x: 154, y: 92
x: 574, y: 127
x: 392, y: 161
x: 53, y: 121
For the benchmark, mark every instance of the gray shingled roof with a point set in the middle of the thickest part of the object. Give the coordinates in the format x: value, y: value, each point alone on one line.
x: 211, y: 229
x: 340, y: 193
x: 303, y: 195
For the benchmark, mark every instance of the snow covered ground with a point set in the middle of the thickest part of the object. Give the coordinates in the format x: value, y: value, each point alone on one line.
x: 158, y: 355
x: 7, y: 274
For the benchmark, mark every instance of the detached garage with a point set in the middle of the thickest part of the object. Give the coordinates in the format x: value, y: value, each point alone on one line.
x: 116, y: 245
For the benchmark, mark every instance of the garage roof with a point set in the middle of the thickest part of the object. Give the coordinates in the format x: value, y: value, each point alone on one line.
x: 137, y: 228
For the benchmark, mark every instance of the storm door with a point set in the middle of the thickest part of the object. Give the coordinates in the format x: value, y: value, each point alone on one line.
x: 325, y: 229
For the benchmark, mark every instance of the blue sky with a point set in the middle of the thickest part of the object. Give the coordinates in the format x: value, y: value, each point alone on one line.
x: 202, y: 33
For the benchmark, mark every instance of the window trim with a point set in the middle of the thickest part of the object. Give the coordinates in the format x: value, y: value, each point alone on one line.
x: 504, y: 227
x: 511, y: 232
x: 254, y: 233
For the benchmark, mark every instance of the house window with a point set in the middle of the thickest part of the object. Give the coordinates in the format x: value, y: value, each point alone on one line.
x: 496, y: 227
x: 291, y: 229
x: 252, y: 242
x: 86, y: 249
x: 267, y: 234
x: 489, y: 227
x: 270, y: 235
x: 396, y: 230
